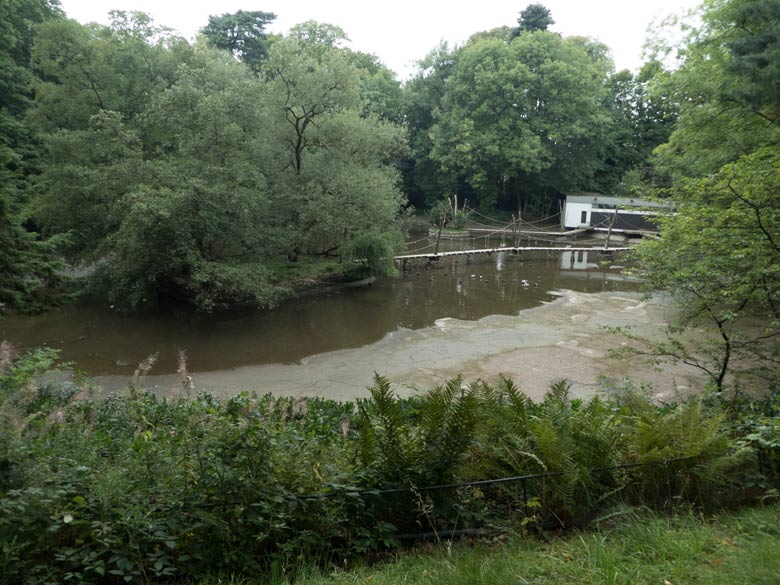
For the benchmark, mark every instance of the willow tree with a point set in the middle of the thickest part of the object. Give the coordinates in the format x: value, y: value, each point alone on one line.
x: 193, y: 175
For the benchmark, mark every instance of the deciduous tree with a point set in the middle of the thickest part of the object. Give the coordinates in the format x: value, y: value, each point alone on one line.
x: 522, y: 120
x: 27, y: 265
x: 720, y: 254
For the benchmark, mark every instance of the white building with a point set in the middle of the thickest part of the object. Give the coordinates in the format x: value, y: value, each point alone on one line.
x: 599, y: 211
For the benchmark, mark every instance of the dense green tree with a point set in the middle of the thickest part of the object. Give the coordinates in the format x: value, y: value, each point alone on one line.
x: 319, y: 34
x: 194, y: 220
x: 534, y: 17
x: 380, y: 89
x: 205, y: 173
x: 524, y: 120
x: 99, y: 83
x: 27, y: 266
x: 86, y: 175
x: 642, y: 118
x: 754, y: 47
x: 720, y: 256
x: 723, y: 114
x: 243, y: 33
x: 88, y: 69
x: 720, y: 253
x: 424, y: 181
x: 333, y: 162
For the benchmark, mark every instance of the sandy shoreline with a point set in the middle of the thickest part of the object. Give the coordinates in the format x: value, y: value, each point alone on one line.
x: 563, y: 339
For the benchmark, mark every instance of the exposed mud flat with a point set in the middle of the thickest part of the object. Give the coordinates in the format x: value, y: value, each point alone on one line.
x: 563, y: 339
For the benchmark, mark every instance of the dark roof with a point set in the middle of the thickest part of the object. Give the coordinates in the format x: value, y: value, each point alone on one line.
x: 614, y: 201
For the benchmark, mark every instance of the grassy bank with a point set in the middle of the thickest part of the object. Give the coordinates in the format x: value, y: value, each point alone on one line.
x: 729, y: 548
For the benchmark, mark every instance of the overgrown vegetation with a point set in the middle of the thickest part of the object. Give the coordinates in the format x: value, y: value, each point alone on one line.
x: 137, y: 488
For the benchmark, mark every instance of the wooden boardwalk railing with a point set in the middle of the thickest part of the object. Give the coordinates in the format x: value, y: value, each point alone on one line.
x: 515, y: 249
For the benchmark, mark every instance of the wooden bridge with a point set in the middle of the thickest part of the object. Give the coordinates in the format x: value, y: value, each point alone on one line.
x: 513, y: 249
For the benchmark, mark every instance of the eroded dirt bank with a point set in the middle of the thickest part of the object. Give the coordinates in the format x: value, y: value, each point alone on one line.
x: 562, y: 339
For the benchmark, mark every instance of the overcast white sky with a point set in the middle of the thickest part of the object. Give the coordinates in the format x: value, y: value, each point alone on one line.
x: 401, y: 32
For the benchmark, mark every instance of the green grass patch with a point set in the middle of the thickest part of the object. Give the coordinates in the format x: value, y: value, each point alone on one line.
x: 730, y: 548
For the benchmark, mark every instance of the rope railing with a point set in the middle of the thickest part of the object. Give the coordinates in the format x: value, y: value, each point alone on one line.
x: 505, y: 229
x: 502, y: 233
x: 424, y: 238
x: 474, y: 211
x: 471, y: 210
x: 498, y: 480
x: 543, y: 220
x: 524, y: 481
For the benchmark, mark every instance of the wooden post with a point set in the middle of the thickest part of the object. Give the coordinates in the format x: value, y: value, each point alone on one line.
x: 442, y: 217
x: 560, y: 213
x: 611, y: 223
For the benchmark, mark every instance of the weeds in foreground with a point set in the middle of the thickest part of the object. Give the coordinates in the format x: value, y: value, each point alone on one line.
x: 135, y: 488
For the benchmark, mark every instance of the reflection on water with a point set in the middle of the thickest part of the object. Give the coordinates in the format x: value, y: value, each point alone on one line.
x: 576, y: 261
x: 102, y: 341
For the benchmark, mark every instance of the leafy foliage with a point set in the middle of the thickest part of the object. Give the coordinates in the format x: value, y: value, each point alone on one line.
x: 725, y: 88
x: 519, y: 120
x: 148, y: 489
x: 534, y: 17
x: 28, y: 266
x: 192, y: 176
x: 242, y: 33
x: 373, y: 253
x: 719, y: 255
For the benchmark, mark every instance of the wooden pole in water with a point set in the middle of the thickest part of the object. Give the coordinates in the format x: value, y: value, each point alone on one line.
x: 442, y: 216
x: 609, y: 231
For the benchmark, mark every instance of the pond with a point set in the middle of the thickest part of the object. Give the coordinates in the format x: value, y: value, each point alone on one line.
x: 104, y: 342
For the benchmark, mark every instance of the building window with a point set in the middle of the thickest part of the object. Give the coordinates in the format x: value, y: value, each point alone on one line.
x: 584, y: 218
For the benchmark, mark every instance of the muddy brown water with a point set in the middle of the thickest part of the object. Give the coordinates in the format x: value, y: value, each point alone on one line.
x: 104, y: 342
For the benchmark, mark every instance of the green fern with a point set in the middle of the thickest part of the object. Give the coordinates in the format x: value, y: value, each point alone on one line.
x: 381, y: 447
x: 688, y: 433
x: 449, y: 416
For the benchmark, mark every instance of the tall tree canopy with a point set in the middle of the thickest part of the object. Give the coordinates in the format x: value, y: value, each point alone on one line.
x: 177, y: 169
x: 534, y: 17
x: 522, y: 120
x: 27, y: 265
x: 242, y: 33
x: 424, y: 182
x: 728, y: 108
x: 642, y: 117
